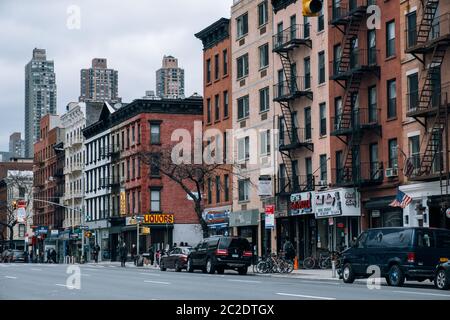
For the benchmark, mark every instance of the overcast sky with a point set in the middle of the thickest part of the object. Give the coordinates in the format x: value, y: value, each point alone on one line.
x: 133, y: 35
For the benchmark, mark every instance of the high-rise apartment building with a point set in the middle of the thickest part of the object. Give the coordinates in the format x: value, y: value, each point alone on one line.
x: 40, y: 96
x: 17, y: 145
x: 99, y: 83
x: 170, y: 79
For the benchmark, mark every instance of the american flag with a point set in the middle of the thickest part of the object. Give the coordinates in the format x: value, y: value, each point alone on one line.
x: 401, y: 200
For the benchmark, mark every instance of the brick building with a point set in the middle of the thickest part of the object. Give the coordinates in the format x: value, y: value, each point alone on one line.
x: 217, y: 118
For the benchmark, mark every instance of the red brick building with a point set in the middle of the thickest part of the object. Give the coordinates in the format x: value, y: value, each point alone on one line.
x: 365, y: 112
x: 217, y: 117
x: 136, y: 128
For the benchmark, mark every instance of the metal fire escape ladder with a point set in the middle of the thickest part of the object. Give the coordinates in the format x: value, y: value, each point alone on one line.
x: 444, y: 176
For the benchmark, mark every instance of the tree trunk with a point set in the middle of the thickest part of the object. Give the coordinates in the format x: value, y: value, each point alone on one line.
x: 199, y: 211
x: 11, y: 235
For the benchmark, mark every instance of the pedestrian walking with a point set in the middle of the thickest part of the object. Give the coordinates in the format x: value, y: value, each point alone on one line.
x: 53, y: 255
x: 134, y: 254
x: 151, y: 254
x: 123, y: 255
x: 158, y: 257
x: 288, y: 249
x: 96, y: 252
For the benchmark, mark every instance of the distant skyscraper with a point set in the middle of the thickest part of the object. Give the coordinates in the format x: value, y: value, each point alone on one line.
x: 40, y: 96
x: 17, y: 145
x: 170, y: 79
x: 99, y: 83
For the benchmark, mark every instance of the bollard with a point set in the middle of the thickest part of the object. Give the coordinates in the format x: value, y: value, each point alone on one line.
x: 333, y: 269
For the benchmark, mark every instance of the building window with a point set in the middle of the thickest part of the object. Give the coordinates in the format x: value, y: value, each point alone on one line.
x: 264, y: 99
x: 155, y: 163
x: 208, y: 110
x: 155, y: 200
x: 373, y: 113
x: 225, y: 104
x: 243, y: 149
x: 138, y: 167
x: 133, y: 171
x: 411, y: 20
x: 414, y: 152
x: 139, y: 200
x: 208, y: 71
x: 264, y: 56
x: 265, y: 142
x: 226, y: 187
x: 263, y: 14
x: 128, y: 169
x: 321, y: 22
x: 209, y: 191
x: 413, y: 91
x: 321, y: 67
x: 242, y: 66
x: 392, y: 98
x: 243, y: 189
x: 243, y: 108
x: 307, y: 72
x: 133, y: 135
x: 393, y: 153
x: 323, y: 119
x: 308, y: 126
x: 128, y: 138
x: 390, y: 39
x: 217, y: 189
x: 216, y: 67
x: 155, y: 134
x: 339, y: 167
x: 242, y: 25
x: 306, y: 27
x: 323, y: 168
x: 138, y: 134
x: 217, y: 107
x: 225, y: 62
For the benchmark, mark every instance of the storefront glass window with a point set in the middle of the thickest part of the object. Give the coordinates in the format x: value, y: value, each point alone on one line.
x: 322, y: 233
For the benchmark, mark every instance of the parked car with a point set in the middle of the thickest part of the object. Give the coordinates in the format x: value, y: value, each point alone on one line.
x: 18, y: 256
x: 175, y: 259
x: 220, y: 253
x: 410, y: 253
x: 442, y: 276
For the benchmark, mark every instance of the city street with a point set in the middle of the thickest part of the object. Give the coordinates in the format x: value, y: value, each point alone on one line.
x: 109, y: 281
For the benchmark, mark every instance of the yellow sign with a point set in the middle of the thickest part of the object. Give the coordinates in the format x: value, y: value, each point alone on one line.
x: 123, y: 203
x: 159, y: 219
x: 443, y: 259
x: 145, y: 230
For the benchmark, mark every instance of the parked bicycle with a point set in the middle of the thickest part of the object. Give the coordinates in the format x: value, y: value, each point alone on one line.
x: 274, y: 264
x: 324, y: 261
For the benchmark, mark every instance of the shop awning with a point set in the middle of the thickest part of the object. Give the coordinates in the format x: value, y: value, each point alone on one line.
x: 379, y: 203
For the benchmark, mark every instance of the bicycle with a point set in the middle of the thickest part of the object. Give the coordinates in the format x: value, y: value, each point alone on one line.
x: 274, y: 264
x: 324, y: 261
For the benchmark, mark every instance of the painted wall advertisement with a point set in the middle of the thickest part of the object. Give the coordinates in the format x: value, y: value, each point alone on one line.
x: 338, y: 202
x: 269, y: 216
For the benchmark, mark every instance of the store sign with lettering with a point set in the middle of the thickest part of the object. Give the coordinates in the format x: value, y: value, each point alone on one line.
x: 159, y: 219
x: 337, y: 202
x: 301, y: 203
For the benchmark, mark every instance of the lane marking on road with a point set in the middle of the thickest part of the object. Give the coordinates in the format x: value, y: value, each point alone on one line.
x: 157, y: 282
x: 246, y: 281
x: 319, y: 282
x: 85, y: 275
x: 9, y: 277
x: 424, y: 293
x: 150, y: 274
x: 304, y: 296
x: 90, y: 269
x: 64, y: 285
x: 35, y: 269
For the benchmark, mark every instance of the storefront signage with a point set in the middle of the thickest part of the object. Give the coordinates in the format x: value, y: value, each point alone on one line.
x: 244, y: 218
x: 337, y: 202
x: 265, y: 186
x: 123, y: 203
x: 21, y: 215
x: 159, y: 219
x: 269, y: 217
x: 41, y: 230
x: 301, y: 203
x: 54, y: 233
x: 217, y: 217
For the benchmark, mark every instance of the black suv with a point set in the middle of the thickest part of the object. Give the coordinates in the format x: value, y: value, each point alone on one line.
x: 220, y: 253
x: 399, y: 253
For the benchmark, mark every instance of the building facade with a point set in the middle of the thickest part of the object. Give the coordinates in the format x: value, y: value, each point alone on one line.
x: 170, y: 79
x: 217, y: 119
x: 99, y: 83
x: 253, y: 120
x: 40, y: 96
x: 426, y: 85
x: 17, y: 145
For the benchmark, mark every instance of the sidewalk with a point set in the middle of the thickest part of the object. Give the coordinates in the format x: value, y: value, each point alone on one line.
x: 313, y: 274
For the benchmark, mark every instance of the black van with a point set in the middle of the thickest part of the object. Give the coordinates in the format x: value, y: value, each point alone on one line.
x: 220, y: 253
x: 400, y: 254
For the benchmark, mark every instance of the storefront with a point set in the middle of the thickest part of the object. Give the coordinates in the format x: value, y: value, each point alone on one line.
x: 425, y: 208
x: 302, y: 223
x: 98, y: 234
x: 218, y: 220
x: 381, y: 214
x: 246, y: 225
x: 338, y: 214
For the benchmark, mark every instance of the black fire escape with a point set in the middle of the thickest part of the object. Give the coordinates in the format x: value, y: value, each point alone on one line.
x: 351, y: 63
x: 429, y: 106
x: 286, y: 92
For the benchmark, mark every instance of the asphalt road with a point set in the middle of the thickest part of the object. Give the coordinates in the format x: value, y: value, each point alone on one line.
x: 50, y: 282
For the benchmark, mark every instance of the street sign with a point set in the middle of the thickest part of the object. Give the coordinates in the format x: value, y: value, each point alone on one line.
x: 140, y: 218
x: 84, y: 227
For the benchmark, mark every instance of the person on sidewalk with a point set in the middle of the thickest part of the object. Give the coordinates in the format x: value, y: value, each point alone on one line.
x: 96, y: 252
x: 123, y: 255
x: 288, y: 249
x: 134, y: 254
x: 151, y: 254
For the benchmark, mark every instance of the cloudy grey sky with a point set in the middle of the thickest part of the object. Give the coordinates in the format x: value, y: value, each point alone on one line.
x: 133, y: 35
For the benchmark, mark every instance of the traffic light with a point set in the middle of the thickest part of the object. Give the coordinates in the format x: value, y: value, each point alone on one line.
x: 312, y: 8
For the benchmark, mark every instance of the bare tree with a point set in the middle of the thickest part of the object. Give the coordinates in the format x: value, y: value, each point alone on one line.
x: 190, y: 177
x: 17, y: 183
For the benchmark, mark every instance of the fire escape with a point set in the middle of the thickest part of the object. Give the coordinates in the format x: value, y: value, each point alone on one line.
x: 351, y: 63
x: 291, y: 88
x: 429, y: 106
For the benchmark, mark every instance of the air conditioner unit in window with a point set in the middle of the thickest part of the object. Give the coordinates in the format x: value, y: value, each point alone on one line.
x: 322, y: 183
x: 391, y: 172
